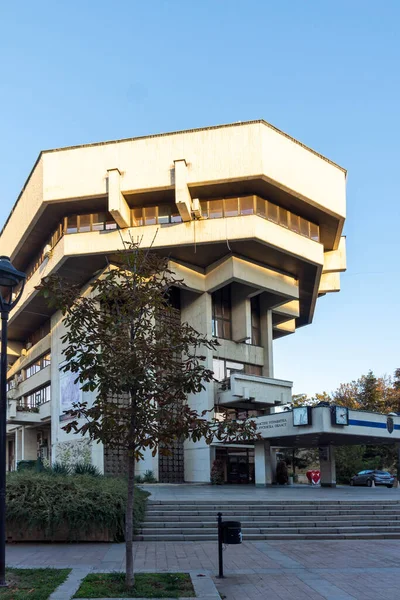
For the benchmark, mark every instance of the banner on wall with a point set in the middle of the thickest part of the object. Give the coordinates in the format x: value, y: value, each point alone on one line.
x: 70, y: 393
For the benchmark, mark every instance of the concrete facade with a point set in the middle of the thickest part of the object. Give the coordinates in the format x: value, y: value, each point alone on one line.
x: 250, y: 218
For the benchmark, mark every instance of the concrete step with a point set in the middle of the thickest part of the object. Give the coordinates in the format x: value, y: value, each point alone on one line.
x: 196, y: 521
x: 265, y: 506
x: 268, y: 513
x: 270, y: 524
x: 272, y: 530
x: 271, y: 536
x: 267, y: 501
x: 192, y: 520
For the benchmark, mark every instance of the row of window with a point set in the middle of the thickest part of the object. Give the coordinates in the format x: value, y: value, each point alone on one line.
x: 222, y: 316
x: 100, y: 221
x: 223, y: 368
x: 165, y: 214
x: 254, y: 205
x: 36, y: 398
x: 38, y: 365
x: 238, y: 414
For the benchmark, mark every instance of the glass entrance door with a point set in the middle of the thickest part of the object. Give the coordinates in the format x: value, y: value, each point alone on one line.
x: 239, y: 464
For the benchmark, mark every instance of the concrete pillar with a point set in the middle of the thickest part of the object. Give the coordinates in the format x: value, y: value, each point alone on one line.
x: 18, y: 446
x: 398, y: 460
x: 117, y: 205
x: 273, y: 463
x: 29, y: 443
x: 241, y: 313
x: 266, y: 337
x: 263, y: 463
x: 183, y: 199
x: 327, y: 466
x: 196, y: 309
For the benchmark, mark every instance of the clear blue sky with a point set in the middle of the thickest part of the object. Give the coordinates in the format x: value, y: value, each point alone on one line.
x: 327, y: 73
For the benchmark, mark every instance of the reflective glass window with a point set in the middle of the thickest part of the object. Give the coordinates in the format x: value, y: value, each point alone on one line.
x: 137, y: 217
x: 215, y: 209
x: 295, y: 223
x: 283, y: 217
x: 150, y: 215
x: 72, y: 224
x: 314, y: 232
x: 221, y: 313
x: 175, y: 216
x: 98, y: 221
x: 110, y: 223
x: 164, y: 214
x: 204, y: 208
x: 261, y: 208
x: 304, y: 227
x: 247, y: 205
x: 231, y: 207
x: 273, y: 212
x: 84, y: 223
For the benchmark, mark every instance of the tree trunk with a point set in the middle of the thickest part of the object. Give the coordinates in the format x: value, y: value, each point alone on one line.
x: 130, y: 580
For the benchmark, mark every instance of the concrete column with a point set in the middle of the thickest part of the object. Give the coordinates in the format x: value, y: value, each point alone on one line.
x: 117, y: 205
x: 266, y: 337
x: 273, y: 463
x: 196, y: 309
x: 241, y: 313
x: 327, y: 466
x: 398, y: 460
x: 263, y: 463
x: 29, y: 444
x: 183, y: 199
x: 18, y: 446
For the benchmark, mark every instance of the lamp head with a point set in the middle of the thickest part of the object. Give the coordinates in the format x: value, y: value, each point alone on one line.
x: 10, y: 279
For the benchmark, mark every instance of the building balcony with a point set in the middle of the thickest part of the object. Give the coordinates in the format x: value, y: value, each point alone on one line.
x: 253, y: 392
x: 22, y: 414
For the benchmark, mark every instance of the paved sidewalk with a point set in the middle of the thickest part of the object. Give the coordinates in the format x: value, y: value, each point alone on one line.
x: 205, y: 492
x: 275, y: 570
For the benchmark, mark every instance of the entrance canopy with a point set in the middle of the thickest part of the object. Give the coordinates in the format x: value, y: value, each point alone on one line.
x: 307, y: 426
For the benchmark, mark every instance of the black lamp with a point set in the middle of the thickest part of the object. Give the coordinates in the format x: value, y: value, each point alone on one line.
x: 12, y: 284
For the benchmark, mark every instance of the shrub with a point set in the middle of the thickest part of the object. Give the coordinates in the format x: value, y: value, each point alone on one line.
x: 26, y: 464
x: 217, y: 472
x: 148, y: 477
x: 78, y: 503
x: 58, y: 468
x: 84, y: 469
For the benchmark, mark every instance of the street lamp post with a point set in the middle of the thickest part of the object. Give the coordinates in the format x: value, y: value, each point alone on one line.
x: 11, y: 287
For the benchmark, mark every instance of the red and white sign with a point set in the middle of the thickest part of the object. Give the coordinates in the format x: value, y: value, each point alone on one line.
x: 314, y: 477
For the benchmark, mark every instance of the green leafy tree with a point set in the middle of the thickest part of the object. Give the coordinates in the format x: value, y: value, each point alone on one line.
x: 350, y: 460
x: 126, y: 344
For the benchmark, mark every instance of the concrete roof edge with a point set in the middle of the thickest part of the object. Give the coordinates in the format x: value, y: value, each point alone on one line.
x: 209, y: 128
x: 155, y: 135
x: 21, y: 192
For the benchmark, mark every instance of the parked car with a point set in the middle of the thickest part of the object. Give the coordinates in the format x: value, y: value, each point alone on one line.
x: 367, y: 477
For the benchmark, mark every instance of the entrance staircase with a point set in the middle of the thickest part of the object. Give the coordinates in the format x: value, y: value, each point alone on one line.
x: 176, y: 521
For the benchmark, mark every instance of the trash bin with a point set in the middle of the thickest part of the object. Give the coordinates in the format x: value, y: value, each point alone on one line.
x: 231, y: 532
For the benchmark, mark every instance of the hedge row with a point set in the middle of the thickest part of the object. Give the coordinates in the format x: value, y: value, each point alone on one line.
x: 75, y: 504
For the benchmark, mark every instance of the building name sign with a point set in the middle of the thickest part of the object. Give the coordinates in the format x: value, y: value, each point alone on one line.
x: 273, y: 424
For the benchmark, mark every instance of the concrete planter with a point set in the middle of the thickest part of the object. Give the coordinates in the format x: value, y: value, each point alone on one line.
x: 18, y: 533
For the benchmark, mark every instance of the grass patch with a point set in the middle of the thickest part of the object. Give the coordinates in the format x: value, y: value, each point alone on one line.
x: 147, y: 585
x: 32, y: 584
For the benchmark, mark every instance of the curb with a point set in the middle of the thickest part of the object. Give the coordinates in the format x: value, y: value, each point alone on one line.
x: 204, y: 586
